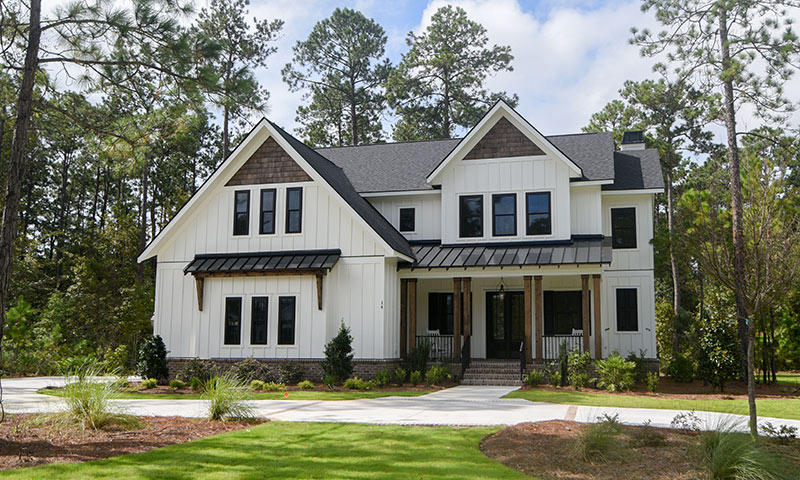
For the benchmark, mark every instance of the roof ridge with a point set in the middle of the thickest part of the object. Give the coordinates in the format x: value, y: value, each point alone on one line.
x: 390, y: 143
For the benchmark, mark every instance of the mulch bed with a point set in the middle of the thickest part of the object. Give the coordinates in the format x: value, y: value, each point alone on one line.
x: 23, y: 444
x: 135, y: 387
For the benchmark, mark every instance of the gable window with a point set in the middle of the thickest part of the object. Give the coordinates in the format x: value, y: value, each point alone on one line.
x: 241, y: 212
x: 627, y: 310
x: 538, y: 214
x: 623, y: 227
x: 504, y: 214
x: 470, y: 215
x: 440, y: 312
x: 286, y: 320
x: 258, y: 321
x: 233, y: 320
x: 294, y: 209
x: 407, y: 219
x: 267, y: 220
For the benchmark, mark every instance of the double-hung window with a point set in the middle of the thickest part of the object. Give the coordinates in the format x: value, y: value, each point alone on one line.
x: 258, y: 320
x: 504, y: 215
x: 267, y: 220
x: 470, y: 215
x: 407, y: 219
x: 294, y: 209
x: 440, y: 312
x: 538, y: 214
x: 623, y: 227
x: 241, y: 212
x: 233, y: 320
x: 627, y: 310
x: 286, y: 320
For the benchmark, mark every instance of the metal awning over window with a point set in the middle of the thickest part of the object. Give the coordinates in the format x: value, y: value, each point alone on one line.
x: 579, y: 251
x: 263, y: 263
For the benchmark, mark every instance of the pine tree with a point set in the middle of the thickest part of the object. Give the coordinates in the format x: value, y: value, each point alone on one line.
x: 338, y: 361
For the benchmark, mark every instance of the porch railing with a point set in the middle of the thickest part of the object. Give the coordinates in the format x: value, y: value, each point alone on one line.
x: 441, y: 346
x: 552, y: 343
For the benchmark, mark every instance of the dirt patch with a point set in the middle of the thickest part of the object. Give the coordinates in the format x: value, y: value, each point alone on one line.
x: 22, y: 444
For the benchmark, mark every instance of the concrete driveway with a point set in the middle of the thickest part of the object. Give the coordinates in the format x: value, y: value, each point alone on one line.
x: 462, y: 405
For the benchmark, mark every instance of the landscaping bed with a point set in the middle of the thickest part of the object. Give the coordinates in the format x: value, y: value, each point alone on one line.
x: 548, y: 450
x: 23, y: 443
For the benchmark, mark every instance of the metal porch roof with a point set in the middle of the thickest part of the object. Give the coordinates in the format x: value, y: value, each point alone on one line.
x: 262, y: 262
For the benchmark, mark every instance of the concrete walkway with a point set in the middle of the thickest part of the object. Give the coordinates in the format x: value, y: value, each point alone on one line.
x: 462, y: 405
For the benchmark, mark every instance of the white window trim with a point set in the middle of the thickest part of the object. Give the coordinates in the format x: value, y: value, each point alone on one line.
x: 407, y: 232
x: 638, y: 330
x: 636, y: 229
x: 552, y: 234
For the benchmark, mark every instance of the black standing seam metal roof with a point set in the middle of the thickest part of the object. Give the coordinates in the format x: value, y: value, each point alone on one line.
x: 582, y: 251
x: 263, y: 262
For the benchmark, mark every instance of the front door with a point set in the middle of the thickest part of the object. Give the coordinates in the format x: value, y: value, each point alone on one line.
x: 505, y: 324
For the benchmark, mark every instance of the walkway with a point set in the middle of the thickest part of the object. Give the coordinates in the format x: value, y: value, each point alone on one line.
x: 462, y: 405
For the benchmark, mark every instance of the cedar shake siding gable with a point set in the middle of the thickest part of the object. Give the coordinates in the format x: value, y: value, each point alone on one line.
x: 503, y: 140
x: 269, y: 164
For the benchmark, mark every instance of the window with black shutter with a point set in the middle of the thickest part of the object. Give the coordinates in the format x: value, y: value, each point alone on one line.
x: 233, y: 320
x: 258, y: 321
x: 623, y: 227
x: 241, y: 212
x: 627, y: 310
x: 286, y: 320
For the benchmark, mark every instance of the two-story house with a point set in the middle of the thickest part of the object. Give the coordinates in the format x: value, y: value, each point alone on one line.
x: 500, y: 244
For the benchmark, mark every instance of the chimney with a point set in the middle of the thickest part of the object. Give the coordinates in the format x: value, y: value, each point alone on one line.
x: 632, y: 141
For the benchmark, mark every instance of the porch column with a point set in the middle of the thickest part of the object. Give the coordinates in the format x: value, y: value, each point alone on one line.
x: 457, y: 319
x: 466, y: 307
x: 598, y: 341
x: 403, y: 317
x: 539, y: 300
x: 412, y: 317
x: 586, y: 317
x: 528, y: 319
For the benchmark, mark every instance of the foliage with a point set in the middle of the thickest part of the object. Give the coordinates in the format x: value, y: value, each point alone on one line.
x: 418, y: 359
x: 251, y: 369
x: 616, y: 373
x: 640, y: 362
x: 563, y: 364
x: 116, y: 360
x: 383, y: 377
x: 598, y: 442
x: 652, y: 381
x: 196, y: 368
x: 152, y: 362
x: 329, y: 381
x: 149, y: 383
x: 273, y: 387
x: 290, y: 372
x: 437, y: 374
x: 339, y: 354
x: 176, y: 384
x: 400, y: 375
x: 534, y: 378
x: 578, y: 366
x: 226, y: 397
x: 687, y: 421
x: 256, y: 385
x: 195, y: 384
x: 439, y: 84
x: 782, y: 434
x: 356, y: 383
x: 306, y: 385
x: 415, y: 378
x: 718, y: 356
x: 681, y: 369
x: 646, y: 436
x: 729, y: 455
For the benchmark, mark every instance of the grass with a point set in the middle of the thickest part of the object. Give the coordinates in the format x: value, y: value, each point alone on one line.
x: 792, y: 379
x: 728, y: 455
x: 302, y: 450
x: 788, y: 408
x: 226, y: 399
x: 293, y: 395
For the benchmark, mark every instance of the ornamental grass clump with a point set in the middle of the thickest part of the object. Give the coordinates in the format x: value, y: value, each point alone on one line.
x: 729, y: 455
x: 227, y: 397
x: 599, y: 442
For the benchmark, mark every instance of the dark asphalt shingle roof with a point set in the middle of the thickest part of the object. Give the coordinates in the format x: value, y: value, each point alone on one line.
x: 636, y: 169
x: 263, y: 262
x: 394, y: 167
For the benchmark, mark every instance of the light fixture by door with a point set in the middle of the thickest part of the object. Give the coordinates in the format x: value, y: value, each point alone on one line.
x: 502, y: 294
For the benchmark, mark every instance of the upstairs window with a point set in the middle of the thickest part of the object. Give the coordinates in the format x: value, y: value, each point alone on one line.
x: 286, y: 320
x: 294, y: 209
x: 504, y: 215
x: 241, y: 212
x: 539, y: 220
x: 258, y: 321
x: 627, y: 310
x: 267, y: 220
x: 233, y: 320
x: 407, y: 219
x: 470, y: 213
x: 623, y: 227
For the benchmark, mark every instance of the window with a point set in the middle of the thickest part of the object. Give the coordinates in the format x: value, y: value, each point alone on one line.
x: 440, y: 312
x: 407, y: 218
x: 504, y: 214
x: 241, y: 212
x: 267, y: 220
x: 233, y: 320
x: 470, y: 213
x: 623, y: 227
x: 563, y: 312
x: 627, y: 310
x: 258, y: 321
x: 286, y: 320
x: 538, y: 213
x: 294, y: 209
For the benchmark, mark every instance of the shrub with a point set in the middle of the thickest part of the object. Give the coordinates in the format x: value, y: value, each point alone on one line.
x: 400, y: 375
x: 329, y: 381
x: 718, y: 359
x: 356, y: 383
x: 782, y: 434
x: 578, y: 366
x: 274, y: 387
x: 290, y: 373
x: 681, y: 368
x: 555, y: 378
x: 563, y: 364
x: 646, y: 436
x: 115, y: 361
x: 196, y: 384
x: 418, y: 359
x: 256, y: 385
x: 615, y: 372
x: 437, y: 374
x: 196, y: 368
x: 728, y: 455
x: 226, y: 397
x: 383, y: 377
x: 598, y: 442
x: 251, y: 369
x: 149, y: 383
x: 534, y: 378
x: 339, y: 354
x: 305, y: 385
x: 176, y: 384
x: 652, y: 381
x: 687, y: 421
x: 152, y: 361
x: 640, y: 362
x: 415, y: 378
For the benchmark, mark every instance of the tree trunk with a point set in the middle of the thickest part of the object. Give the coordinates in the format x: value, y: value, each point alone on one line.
x: 225, y: 140
x: 673, y: 261
x: 353, y: 119
x: 446, y: 124
x: 17, y: 161
x: 143, y: 219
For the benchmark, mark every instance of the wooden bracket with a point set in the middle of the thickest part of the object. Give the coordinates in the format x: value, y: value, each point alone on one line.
x: 199, y: 282
x: 319, y: 291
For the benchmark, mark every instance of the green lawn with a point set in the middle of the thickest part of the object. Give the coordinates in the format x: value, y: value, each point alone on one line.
x: 295, y: 395
x: 779, y: 408
x: 789, y: 379
x: 302, y: 450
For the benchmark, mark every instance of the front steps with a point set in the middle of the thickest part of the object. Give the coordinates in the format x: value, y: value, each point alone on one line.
x: 487, y: 372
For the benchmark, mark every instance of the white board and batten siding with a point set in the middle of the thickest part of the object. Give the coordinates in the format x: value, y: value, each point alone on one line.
x: 641, y: 257
x: 644, y: 338
x: 586, y: 212
x: 427, y: 215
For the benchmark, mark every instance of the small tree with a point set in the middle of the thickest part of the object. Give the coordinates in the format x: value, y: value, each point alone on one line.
x: 153, y: 359
x: 718, y: 361
x: 339, y: 355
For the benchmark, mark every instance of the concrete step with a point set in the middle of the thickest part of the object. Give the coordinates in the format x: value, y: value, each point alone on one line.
x: 496, y: 382
x: 493, y: 370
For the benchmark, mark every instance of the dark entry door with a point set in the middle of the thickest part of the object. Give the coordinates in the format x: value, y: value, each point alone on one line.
x: 505, y: 327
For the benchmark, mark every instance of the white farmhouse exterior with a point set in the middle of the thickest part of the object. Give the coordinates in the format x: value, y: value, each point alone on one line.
x: 502, y: 242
